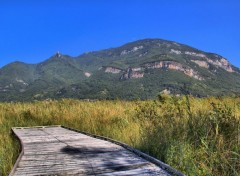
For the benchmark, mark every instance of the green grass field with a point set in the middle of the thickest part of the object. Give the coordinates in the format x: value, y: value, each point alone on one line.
x: 196, y: 136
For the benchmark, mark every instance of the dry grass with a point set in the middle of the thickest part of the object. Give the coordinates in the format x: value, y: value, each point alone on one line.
x: 196, y: 136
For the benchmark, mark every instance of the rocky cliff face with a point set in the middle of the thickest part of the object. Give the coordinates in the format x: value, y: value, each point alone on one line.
x: 222, y: 63
x: 127, y: 74
x: 173, y: 66
x: 113, y: 70
x: 218, y: 61
x: 201, y: 63
x: 138, y: 72
x: 132, y: 73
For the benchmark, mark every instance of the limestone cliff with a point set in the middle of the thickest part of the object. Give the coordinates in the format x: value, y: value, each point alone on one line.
x: 171, y: 65
x: 113, y: 70
x: 132, y: 73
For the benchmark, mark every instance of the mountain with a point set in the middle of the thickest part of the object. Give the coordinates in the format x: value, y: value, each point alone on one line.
x: 136, y: 70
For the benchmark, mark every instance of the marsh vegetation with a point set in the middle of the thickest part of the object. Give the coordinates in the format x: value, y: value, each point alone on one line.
x: 197, y: 136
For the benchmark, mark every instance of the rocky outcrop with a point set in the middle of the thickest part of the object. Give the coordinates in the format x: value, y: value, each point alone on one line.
x: 58, y: 54
x: 134, y: 49
x: 173, y: 66
x: 87, y: 74
x: 190, y: 72
x: 222, y: 63
x: 158, y: 64
x: 138, y: 72
x: 165, y: 91
x: 143, y: 54
x: 218, y: 62
x: 173, y: 51
x: 113, y: 70
x: 195, y: 54
x: 132, y: 73
x: 6, y: 88
x: 201, y: 63
x: 21, y: 81
x: 137, y: 69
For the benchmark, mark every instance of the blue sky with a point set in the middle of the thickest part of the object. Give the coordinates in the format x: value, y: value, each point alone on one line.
x: 32, y: 31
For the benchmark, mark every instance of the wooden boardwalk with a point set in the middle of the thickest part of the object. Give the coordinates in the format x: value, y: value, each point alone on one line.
x: 56, y: 150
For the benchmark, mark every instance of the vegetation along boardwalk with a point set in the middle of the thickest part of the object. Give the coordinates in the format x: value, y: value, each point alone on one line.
x: 56, y: 150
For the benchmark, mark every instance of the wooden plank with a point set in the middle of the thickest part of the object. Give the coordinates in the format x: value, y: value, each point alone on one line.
x: 56, y: 150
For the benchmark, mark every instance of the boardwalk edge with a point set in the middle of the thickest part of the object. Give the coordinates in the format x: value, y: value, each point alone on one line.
x: 21, y: 144
x: 153, y: 160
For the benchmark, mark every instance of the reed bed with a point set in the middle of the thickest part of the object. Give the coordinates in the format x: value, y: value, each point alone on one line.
x: 198, y: 136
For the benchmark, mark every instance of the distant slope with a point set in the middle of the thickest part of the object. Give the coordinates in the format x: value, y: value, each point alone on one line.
x: 140, y: 69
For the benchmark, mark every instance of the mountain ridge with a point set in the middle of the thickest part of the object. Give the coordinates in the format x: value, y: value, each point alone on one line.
x: 140, y: 69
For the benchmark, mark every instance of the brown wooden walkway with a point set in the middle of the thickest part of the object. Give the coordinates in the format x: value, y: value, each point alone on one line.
x: 56, y: 150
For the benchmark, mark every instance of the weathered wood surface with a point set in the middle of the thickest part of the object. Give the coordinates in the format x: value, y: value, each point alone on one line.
x: 55, y: 150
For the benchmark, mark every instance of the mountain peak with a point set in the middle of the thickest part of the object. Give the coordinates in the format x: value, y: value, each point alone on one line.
x: 58, y: 54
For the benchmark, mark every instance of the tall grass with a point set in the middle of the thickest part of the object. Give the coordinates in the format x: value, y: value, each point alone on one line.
x: 195, y: 136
